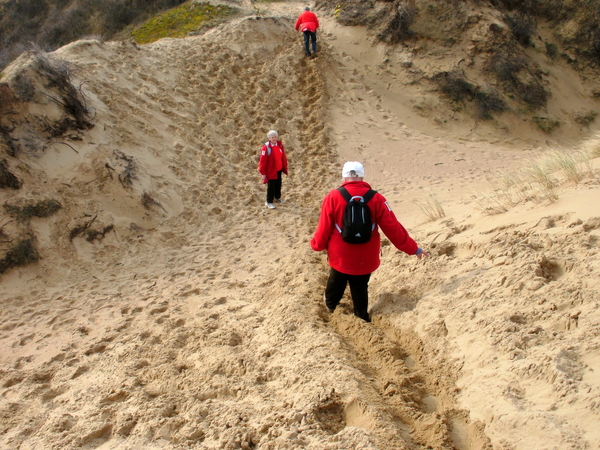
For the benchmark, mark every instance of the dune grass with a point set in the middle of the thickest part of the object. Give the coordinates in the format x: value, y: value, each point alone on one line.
x: 431, y: 208
x: 541, y: 179
x: 181, y: 21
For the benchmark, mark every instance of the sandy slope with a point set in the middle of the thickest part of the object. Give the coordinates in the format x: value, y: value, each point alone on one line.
x: 197, y: 322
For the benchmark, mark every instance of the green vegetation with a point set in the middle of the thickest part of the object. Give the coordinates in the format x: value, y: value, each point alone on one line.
x: 180, y: 22
x: 49, y: 24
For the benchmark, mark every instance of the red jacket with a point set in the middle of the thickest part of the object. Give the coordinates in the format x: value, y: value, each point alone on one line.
x: 271, y: 162
x: 308, y: 20
x: 358, y: 259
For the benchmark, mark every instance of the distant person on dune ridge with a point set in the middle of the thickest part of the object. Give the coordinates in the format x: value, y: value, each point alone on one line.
x: 272, y: 163
x: 353, y: 263
x: 308, y: 23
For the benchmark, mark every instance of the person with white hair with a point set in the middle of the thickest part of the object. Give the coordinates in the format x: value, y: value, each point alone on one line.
x: 308, y: 23
x: 353, y: 258
x: 272, y: 163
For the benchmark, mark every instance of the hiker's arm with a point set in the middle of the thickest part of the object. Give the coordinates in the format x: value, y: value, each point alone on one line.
x: 393, y: 229
x: 324, y: 227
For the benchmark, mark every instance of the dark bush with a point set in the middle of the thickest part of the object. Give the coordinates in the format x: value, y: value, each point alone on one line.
x: 586, y: 119
x: 454, y: 85
x: 550, y: 9
x: 488, y: 103
x: 67, y: 26
x: 50, y: 24
x: 118, y: 15
x: 20, y: 255
x: 23, y: 88
x: 27, y: 9
x: 522, y: 26
x: 506, y: 66
x: 546, y: 124
x: 551, y: 50
x: 7, y: 100
x: 43, y: 208
x: 7, y: 179
x: 534, y: 94
x: 6, y: 139
x: 397, y: 28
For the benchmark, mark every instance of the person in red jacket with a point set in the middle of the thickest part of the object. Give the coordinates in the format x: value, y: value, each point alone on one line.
x: 354, y: 263
x: 308, y: 23
x: 271, y: 164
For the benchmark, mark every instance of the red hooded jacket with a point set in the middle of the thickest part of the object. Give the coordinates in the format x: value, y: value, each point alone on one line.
x: 308, y: 20
x: 358, y: 259
x: 271, y: 162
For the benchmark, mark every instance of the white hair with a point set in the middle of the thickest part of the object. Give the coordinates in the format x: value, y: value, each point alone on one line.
x: 272, y: 133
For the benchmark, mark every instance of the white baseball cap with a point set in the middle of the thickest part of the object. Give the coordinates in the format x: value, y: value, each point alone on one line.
x: 353, y: 169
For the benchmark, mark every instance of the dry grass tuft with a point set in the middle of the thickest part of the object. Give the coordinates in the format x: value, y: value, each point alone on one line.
x: 431, y: 207
x: 541, y: 179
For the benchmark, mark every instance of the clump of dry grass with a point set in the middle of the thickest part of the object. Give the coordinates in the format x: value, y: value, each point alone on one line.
x: 592, y: 146
x: 431, y: 207
x: 58, y: 73
x: 541, y: 179
x: 149, y: 200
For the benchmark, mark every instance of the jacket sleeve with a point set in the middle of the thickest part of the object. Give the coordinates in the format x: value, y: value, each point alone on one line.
x: 316, y: 22
x: 324, y: 227
x: 392, y: 228
x: 284, y: 160
x: 262, y: 160
x: 298, y: 23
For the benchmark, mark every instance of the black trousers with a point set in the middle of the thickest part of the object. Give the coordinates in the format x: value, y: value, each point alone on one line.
x: 274, y: 188
x: 359, y: 289
x: 312, y: 37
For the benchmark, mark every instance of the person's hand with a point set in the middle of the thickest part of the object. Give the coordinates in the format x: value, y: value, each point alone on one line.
x: 421, y: 253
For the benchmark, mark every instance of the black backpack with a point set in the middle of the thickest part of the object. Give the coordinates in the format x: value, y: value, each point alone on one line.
x: 357, y: 226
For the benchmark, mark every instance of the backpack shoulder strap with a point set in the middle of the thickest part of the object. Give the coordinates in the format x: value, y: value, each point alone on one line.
x: 369, y: 195
x: 344, y: 193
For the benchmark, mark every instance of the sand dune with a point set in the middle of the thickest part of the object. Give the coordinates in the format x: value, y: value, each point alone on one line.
x: 170, y: 309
